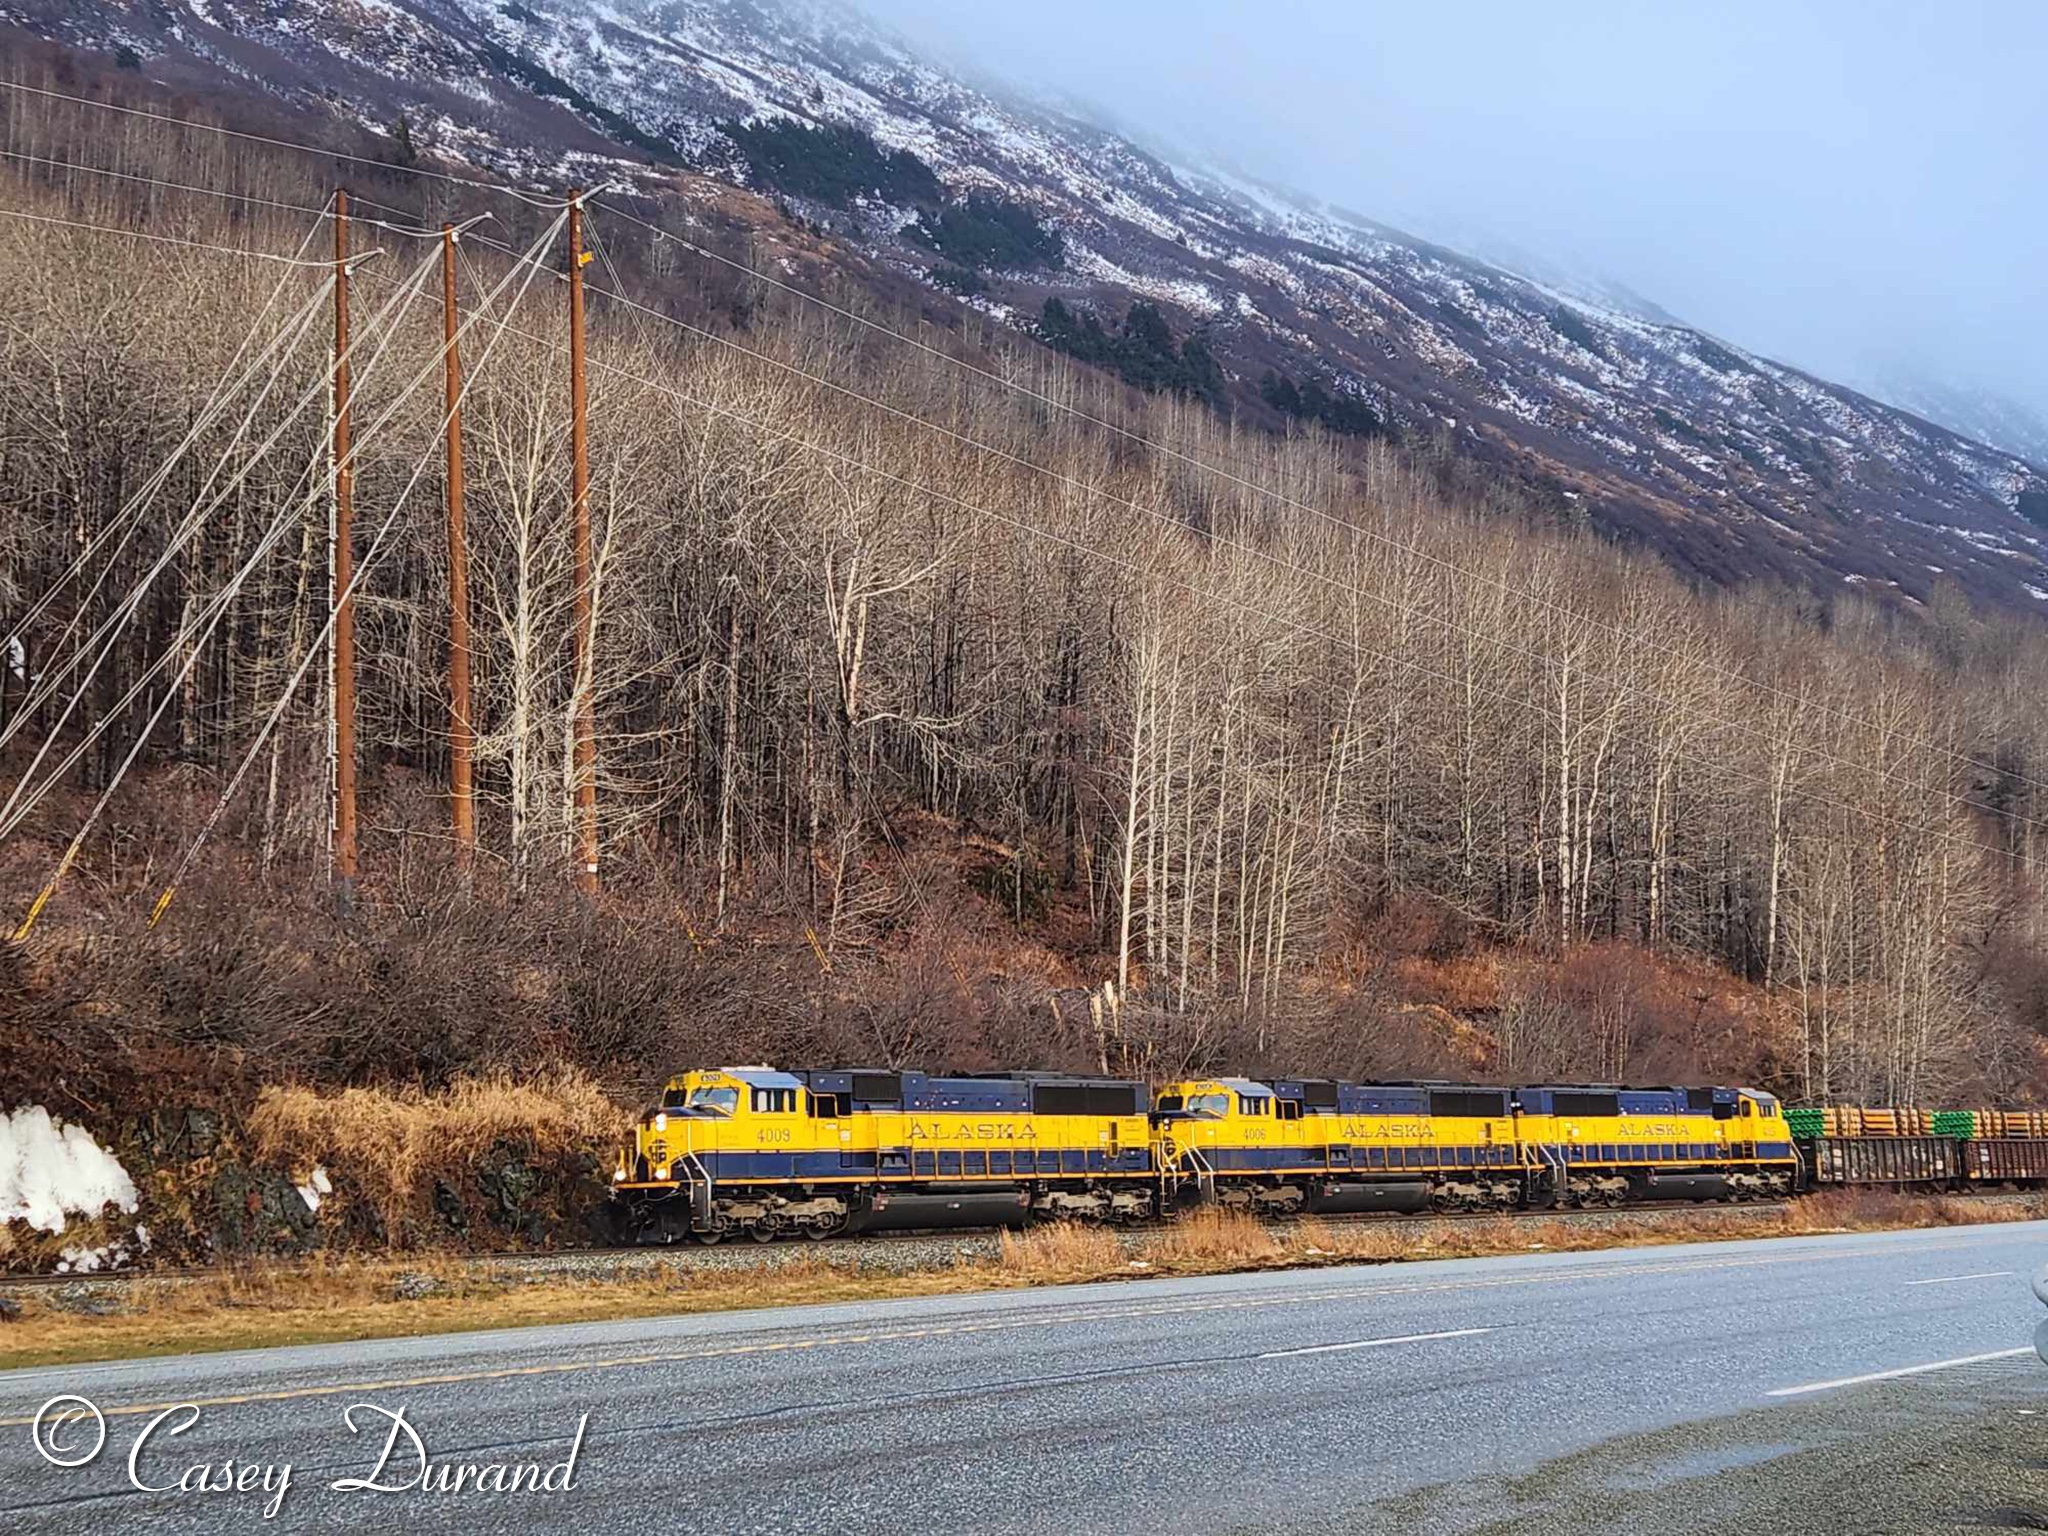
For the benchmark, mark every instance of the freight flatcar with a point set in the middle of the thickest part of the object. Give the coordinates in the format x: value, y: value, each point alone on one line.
x: 1953, y: 1150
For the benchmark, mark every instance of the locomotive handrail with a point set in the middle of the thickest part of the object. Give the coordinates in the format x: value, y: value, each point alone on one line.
x: 1174, y: 1161
x: 699, y: 1178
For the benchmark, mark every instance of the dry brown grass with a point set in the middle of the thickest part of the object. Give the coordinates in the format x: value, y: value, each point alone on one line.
x: 1215, y: 1239
x: 1872, y: 1210
x: 389, y: 1143
x: 1063, y: 1250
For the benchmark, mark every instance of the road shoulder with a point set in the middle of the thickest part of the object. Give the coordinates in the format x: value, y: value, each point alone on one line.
x: 1963, y: 1451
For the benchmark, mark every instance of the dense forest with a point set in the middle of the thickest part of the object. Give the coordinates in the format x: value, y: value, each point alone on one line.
x: 957, y: 704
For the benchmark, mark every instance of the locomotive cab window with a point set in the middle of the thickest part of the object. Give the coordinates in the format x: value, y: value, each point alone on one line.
x: 675, y: 1098
x: 716, y: 1101
x: 827, y: 1106
x: 1209, y: 1106
x: 774, y: 1101
x: 1290, y: 1109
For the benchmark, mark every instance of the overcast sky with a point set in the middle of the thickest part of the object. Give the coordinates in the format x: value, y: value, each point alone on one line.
x: 1855, y: 186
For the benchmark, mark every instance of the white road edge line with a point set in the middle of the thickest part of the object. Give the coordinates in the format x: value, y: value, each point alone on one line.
x: 1904, y: 1370
x: 1989, y: 1274
x: 1406, y: 1338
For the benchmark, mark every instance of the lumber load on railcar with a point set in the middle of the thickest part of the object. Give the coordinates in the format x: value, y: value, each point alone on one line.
x: 1938, y: 1149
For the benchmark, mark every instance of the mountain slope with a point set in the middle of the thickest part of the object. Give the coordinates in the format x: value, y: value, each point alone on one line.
x: 1730, y: 464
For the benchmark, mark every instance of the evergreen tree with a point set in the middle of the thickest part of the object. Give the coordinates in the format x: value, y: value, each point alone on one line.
x: 2033, y: 505
x: 402, y: 150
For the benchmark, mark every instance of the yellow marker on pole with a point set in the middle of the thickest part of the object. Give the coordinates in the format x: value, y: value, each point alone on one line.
x: 43, y: 897
x: 35, y: 911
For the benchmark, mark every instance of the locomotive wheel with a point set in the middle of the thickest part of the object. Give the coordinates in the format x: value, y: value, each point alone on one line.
x: 761, y: 1234
x: 709, y: 1239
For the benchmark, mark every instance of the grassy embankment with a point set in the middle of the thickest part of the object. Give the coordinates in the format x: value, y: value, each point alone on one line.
x: 266, y: 1305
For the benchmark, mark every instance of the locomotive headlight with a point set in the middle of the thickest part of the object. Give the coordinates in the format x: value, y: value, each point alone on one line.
x: 661, y: 1122
x: 618, y: 1175
x: 661, y: 1170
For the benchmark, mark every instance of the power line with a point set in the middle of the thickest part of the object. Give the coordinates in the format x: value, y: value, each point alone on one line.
x: 194, y: 245
x: 1359, y: 649
x: 502, y: 327
x: 168, y: 120
x: 1040, y: 396
x: 15, y: 810
x: 219, y: 604
x: 204, y: 503
x: 408, y: 232
x: 50, y: 163
x: 1352, y: 528
x: 215, y: 405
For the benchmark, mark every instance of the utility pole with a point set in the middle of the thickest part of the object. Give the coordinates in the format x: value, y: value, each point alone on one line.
x: 343, y: 559
x: 584, y: 759
x: 461, y: 732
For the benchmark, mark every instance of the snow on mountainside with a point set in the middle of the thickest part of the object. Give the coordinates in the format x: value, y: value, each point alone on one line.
x: 1982, y: 414
x: 1730, y: 464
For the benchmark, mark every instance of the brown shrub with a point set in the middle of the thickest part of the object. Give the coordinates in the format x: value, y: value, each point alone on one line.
x: 389, y: 1143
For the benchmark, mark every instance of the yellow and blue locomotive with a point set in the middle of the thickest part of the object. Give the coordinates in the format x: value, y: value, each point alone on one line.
x: 763, y: 1153
x: 1615, y: 1146
x: 1313, y: 1144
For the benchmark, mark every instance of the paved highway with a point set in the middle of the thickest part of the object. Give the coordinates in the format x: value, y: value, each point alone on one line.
x: 1198, y: 1405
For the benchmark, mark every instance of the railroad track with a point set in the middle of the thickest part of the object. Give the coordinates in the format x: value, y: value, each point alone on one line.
x: 732, y: 1255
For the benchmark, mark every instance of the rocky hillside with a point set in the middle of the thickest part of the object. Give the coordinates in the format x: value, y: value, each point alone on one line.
x: 1271, y: 304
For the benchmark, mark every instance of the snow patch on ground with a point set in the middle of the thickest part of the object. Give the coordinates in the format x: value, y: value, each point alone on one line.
x: 1196, y: 297
x: 49, y: 1170
x: 316, y: 1188
x: 85, y: 1261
